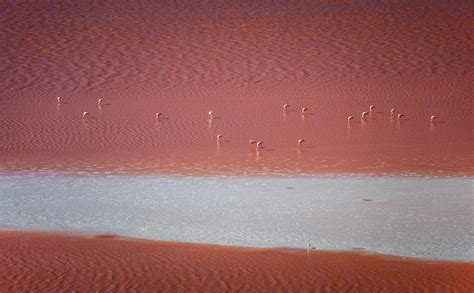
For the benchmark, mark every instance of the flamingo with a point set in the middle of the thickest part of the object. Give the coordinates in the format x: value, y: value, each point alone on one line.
x: 285, y: 107
x: 433, y: 118
x: 59, y: 99
x: 251, y: 141
x: 259, y: 144
x: 300, y: 143
x: 85, y: 115
x: 303, y: 110
x: 392, y: 111
x: 399, y: 116
x: 99, y: 101
x: 211, y: 115
x: 219, y: 137
x: 157, y: 115
x: 371, y: 108
x: 350, y: 118
x: 363, y: 115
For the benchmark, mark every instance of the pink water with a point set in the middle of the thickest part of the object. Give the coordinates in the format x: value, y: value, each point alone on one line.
x: 243, y: 61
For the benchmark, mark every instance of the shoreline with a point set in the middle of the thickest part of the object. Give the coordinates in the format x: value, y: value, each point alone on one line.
x: 287, y: 249
x: 41, y: 261
x: 143, y: 119
x: 333, y: 213
x: 200, y: 170
x: 70, y: 172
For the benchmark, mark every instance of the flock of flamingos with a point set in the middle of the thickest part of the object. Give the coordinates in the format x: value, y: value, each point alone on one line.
x: 259, y: 144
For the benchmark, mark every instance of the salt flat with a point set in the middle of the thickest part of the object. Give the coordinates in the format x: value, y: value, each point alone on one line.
x: 426, y: 218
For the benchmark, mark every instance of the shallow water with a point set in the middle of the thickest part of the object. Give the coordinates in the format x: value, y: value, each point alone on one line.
x: 426, y: 218
x: 112, y: 47
x: 243, y: 61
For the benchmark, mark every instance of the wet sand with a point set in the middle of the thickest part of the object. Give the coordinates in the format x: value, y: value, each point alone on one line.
x: 40, y: 261
x: 243, y: 62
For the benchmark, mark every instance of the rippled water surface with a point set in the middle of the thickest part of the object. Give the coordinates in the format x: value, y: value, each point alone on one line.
x: 427, y: 218
x: 243, y: 61
x: 397, y: 186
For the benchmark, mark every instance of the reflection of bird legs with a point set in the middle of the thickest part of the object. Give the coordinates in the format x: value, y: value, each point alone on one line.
x: 303, y: 113
x: 300, y: 151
